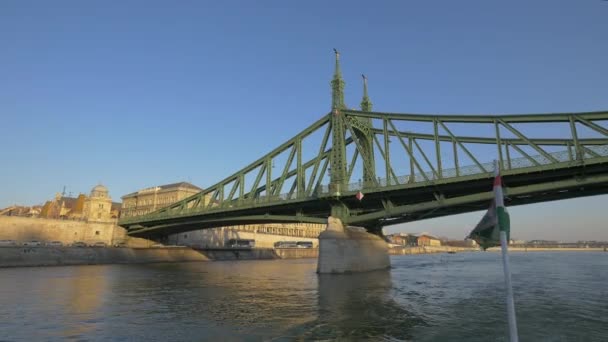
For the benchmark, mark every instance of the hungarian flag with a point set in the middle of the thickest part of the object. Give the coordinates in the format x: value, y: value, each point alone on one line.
x: 496, y: 219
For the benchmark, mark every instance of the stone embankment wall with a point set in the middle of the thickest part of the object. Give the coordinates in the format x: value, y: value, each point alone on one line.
x: 20, y: 256
x: 224, y: 254
x: 23, y: 229
x: 259, y: 253
x: 57, y: 256
x: 297, y: 253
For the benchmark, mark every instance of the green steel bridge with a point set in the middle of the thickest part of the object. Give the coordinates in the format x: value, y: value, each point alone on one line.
x: 373, y: 169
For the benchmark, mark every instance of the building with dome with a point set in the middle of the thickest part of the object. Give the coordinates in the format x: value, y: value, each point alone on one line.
x: 98, y: 206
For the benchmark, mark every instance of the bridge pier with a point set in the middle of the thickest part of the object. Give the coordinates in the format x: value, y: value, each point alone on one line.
x: 350, y: 249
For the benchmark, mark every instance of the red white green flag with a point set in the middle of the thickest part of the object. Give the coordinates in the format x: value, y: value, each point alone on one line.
x: 496, y: 219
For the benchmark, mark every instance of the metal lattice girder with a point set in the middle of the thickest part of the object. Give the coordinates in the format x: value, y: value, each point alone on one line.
x: 355, y: 147
x: 214, y: 196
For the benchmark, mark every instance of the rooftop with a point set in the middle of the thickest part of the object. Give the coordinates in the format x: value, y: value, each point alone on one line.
x: 185, y: 185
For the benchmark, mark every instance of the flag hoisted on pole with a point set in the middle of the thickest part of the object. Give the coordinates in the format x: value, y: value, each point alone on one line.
x: 494, y: 230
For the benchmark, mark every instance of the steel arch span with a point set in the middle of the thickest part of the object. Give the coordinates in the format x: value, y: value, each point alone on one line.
x: 408, y: 167
x: 405, y: 171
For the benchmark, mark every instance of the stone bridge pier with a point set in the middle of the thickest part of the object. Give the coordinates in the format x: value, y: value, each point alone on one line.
x: 350, y: 249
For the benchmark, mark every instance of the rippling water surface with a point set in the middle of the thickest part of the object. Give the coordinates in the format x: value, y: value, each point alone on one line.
x: 560, y: 296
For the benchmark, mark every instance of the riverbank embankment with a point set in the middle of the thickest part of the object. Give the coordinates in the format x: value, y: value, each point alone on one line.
x: 57, y: 256
x: 22, y: 229
x: 24, y: 256
x: 449, y: 249
x: 550, y: 249
x: 429, y: 250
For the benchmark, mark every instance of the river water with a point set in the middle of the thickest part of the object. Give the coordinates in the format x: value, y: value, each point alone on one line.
x: 560, y: 296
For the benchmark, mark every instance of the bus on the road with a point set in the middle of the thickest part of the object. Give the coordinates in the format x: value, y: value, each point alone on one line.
x: 241, y: 243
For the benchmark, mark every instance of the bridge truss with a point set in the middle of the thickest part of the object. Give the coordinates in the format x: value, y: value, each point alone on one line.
x: 408, y: 167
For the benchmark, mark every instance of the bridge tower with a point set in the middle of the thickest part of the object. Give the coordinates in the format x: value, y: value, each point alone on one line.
x: 365, y: 139
x: 341, y: 248
x: 360, y: 130
x: 338, y: 172
x: 338, y: 155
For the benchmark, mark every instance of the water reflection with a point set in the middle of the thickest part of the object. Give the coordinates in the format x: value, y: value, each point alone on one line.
x: 359, y: 307
x: 252, y: 298
x: 86, y: 289
x: 52, y: 303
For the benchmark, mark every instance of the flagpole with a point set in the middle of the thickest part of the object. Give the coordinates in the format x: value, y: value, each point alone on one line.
x: 510, y: 301
x: 507, y: 271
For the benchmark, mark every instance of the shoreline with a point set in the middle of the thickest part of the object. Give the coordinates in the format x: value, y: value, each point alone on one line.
x: 19, y: 256
x: 550, y: 249
x: 415, y: 250
x: 41, y: 256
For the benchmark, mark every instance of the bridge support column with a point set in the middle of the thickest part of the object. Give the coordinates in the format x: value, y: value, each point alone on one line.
x: 350, y: 249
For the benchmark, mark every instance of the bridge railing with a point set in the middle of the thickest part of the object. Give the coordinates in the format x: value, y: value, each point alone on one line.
x: 469, y: 170
x: 429, y: 176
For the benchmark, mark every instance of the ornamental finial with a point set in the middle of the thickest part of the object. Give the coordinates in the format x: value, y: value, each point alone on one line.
x: 366, y: 104
x: 337, y: 86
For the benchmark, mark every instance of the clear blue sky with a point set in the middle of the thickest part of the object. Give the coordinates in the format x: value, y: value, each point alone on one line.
x: 139, y: 93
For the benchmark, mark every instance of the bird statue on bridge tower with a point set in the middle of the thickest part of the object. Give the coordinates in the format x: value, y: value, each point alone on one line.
x: 366, y: 103
x: 337, y: 86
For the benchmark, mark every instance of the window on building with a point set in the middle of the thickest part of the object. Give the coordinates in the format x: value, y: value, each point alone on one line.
x: 185, y: 236
x: 98, y: 215
x: 97, y: 232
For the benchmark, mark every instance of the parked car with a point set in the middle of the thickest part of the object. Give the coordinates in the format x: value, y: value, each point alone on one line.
x: 54, y: 244
x: 8, y: 243
x: 157, y: 245
x: 120, y: 244
x: 79, y: 244
x: 286, y: 244
x: 99, y: 244
x: 32, y: 243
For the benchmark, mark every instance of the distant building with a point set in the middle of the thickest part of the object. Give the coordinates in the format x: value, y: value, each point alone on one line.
x: 409, y: 239
x: 18, y: 210
x: 154, y: 198
x: 425, y: 239
x: 97, y: 207
x: 151, y: 199
x: 264, y: 235
x: 403, y: 239
x: 460, y: 243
